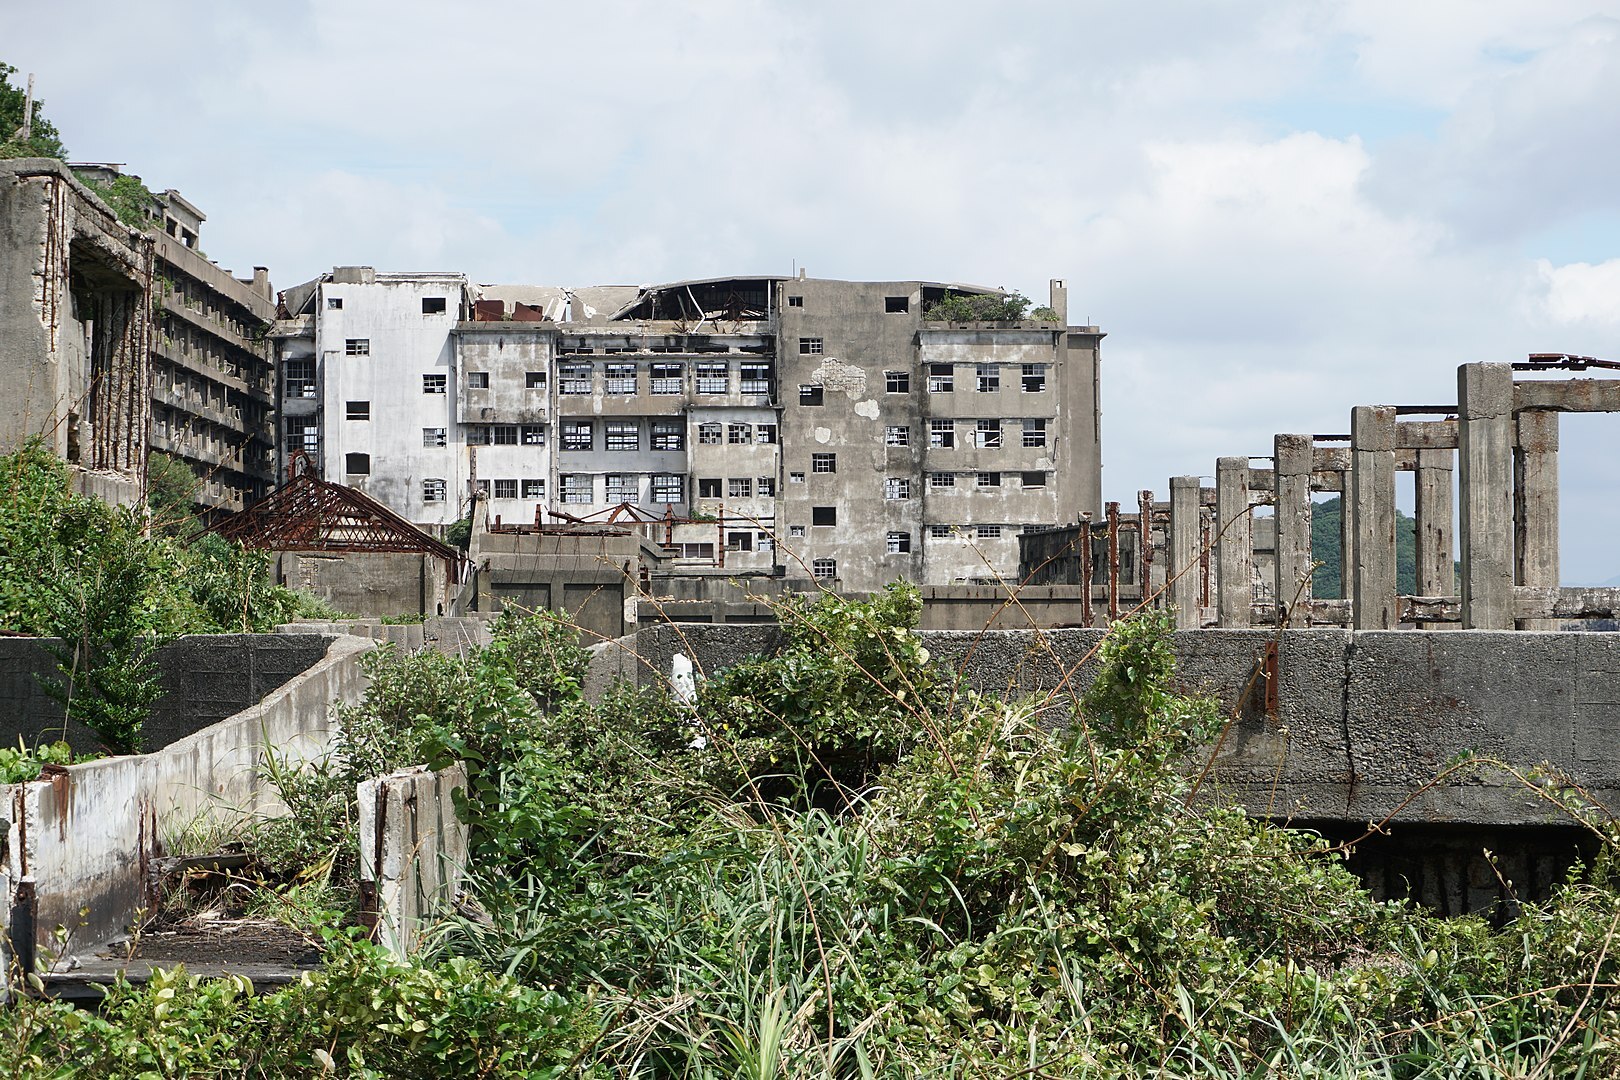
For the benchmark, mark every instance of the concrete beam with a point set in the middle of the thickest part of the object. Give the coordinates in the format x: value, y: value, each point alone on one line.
x: 1371, y: 510
x: 1533, y: 602
x: 1234, y: 558
x: 1426, y: 435
x: 1293, y: 522
x: 1436, y: 574
x: 1185, y: 521
x: 1485, y: 396
x: 1572, y: 395
x: 1535, y: 505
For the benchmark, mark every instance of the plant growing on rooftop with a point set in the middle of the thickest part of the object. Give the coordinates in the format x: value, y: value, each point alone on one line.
x: 978, y: 307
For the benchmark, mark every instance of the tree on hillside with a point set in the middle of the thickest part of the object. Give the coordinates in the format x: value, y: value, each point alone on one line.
x: 43, y: 140
x: 1325, y: 583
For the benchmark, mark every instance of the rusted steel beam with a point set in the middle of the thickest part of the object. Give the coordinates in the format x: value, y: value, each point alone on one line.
x: 1113, y: 561
x: 1085, y: 566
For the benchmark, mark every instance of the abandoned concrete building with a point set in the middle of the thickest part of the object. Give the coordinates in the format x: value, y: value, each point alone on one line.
x: 106, y: 373
x: 795, y: 427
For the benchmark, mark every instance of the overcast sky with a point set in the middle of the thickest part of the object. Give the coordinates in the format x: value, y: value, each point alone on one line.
x: 1275, y: 210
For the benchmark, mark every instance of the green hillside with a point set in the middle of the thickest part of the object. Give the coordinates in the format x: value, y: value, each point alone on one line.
x: 1325, y: 584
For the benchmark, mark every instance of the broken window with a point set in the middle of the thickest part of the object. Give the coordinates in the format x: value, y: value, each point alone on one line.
x: 357, y: 464
x: 334, y: 303
x: 534, y: 380
x: 897, y: 487
x: 940, y: 532
x: 534, y: 489
x: 739, y: 434
x: 506, y: 489
x: 574, y: 378
x: 709, y: 487
x: 669, y: 435
x: 765, y: 433
x: 357, y: 410
x: 941, y: 480
x: 623, y: 487
x: 989, y: 479
x: 754, y: 378
x: 298, y: 378
x: 357, y: 346
x: 304, y: 433
x: 433, y: 436
x: 667, y: 487
x: 478, y: 380
x: 989, y: 532
x: 824, y: 569
x: 709, y: 434
x: 897, y: 382
x: 740, y: 487
x: 504, y: 434
x: 796, y: 530
x: 1034, y: 378
x: 433, y: 490
x: 896, y: 305
x: 666, y: 378
x: 767, y: 487
x: 434, y: 305
x: 810, y: 346
x: 534, y: 435
x: 623, y: 435
x: 989, y: 376
x: 1034, y: 432
x: 795, y: 301
x: 941, y: 378
x: 942, y: 434
x: 824, y: 515
x: 713, y: 378
x: 810, y: 395
x: 897, y: 435
x: 576, y: 435
x: 1036, y: 478
x: 987, y: 435
x: 621, y: 378
x: 576, y: 488
x: 739, y: 541
x: 433, y: 384
x: 897, y: 543
x: 477, y: 434
x: 823, y: 463
x: 795, y: 477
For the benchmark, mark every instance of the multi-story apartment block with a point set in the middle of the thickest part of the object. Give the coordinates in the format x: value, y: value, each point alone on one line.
x: 211, y: 369
x: 811, y: 428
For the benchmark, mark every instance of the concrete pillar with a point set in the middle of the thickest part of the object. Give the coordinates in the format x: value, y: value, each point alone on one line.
x: 1347, y: 538
x: 1535, y: 525
x: 1370, y: 499
x: 1485, y: 477
x: 1293, y: 523
x: 1234, y: 556
x: 1436, y: 576
x: 1183, y: 559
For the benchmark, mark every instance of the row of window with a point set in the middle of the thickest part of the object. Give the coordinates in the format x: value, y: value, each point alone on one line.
x: 431, y: 305
x: 942, y: 379
x: 987, y: 435
x: 736, y: 487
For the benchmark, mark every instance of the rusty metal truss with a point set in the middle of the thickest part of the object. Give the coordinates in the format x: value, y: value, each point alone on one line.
x: 311, y: 514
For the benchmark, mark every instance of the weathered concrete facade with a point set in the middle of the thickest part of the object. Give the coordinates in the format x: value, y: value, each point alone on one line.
x: 75, y: 325
x: 819, y: 430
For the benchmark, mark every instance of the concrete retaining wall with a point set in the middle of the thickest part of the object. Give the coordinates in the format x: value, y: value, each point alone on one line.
x: 205, y: 678
x: 448, y: 635
x: 79, y: 841
x: 1362, y: 721
x: 413, y: 851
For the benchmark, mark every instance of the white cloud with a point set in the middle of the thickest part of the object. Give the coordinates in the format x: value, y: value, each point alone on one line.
x: 1579, y: 292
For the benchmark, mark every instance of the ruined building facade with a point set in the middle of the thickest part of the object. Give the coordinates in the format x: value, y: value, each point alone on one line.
x: 801, y: 427
x: 119, y: 340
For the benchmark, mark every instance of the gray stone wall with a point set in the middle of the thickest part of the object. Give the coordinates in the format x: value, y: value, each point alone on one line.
x: 205, y: 678
x: 1363, y: 720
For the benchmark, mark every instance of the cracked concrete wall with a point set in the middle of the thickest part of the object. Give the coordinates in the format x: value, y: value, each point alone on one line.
x: 1364, y: 719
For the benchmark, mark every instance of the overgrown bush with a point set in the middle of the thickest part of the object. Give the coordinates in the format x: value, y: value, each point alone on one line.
x: 978, y: 307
